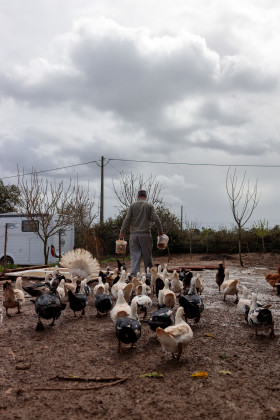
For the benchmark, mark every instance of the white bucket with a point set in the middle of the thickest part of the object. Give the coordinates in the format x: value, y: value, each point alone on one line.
x: 120, y: 246
x: 162, y: 241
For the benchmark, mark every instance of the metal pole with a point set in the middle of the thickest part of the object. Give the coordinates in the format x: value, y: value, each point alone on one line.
x: 5, y: 247
x: 102, y: 191
x: 181, y: 218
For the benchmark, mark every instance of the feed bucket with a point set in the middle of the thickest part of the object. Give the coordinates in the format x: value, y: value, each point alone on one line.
x: 162, y: 241
x: 120, y: 246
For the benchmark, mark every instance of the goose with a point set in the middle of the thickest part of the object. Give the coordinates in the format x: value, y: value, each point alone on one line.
x: 49, y: 306
x: 175, y: 338
x: 143, y: 301
x: 121, y: 308
x: 261, y: 317
x: 103, y: 301
x: 161, y: 317
x: 192, y: 303
x: 230, y: 287
x: 128, y: 328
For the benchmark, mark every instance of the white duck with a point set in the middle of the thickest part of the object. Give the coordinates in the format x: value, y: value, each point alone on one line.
x: 121, y: 283
x: 61, y: 289
x: 121, y: 308
x: 261, y: 317
x: 153, y: 273
x: 143, y: 301
x: 244, y: 303
x: 19, y: 293
x: 175, y: 338
x: 176, y: 284
x: 169, y: 298
x: 199, y: 285
x: 99, y: 288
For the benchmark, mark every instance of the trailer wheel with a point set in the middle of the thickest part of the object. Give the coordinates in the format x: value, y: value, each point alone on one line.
x: 9, y: 260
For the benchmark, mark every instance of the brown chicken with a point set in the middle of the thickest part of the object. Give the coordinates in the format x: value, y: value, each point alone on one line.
x: 272, y: 279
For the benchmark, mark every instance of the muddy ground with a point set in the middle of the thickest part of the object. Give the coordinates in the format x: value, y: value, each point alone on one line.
x: 87, y: 347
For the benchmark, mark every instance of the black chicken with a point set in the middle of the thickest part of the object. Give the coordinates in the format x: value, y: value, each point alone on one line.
x: 220, y: 276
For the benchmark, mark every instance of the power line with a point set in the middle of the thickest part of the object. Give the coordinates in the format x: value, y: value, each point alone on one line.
x: 195, y: 164
x: 143, y: 161
x: 53, y: 169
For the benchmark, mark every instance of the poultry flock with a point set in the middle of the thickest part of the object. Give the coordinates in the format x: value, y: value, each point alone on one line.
x: 177, y: 297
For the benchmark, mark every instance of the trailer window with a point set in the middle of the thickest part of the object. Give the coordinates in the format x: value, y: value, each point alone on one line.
x: 30, y: 226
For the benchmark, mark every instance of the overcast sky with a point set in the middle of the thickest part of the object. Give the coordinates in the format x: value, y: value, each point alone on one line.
x: 149, y: 80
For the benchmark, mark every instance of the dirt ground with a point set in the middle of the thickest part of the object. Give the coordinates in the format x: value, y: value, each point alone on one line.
x: 87, y: 347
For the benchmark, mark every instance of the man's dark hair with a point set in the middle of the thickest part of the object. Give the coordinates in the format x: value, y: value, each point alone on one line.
x: 142, y: 193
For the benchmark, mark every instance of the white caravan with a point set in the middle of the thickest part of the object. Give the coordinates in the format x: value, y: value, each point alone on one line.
x: 24, y: 247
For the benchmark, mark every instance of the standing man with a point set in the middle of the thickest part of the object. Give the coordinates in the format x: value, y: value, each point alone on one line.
x: 139, y: 216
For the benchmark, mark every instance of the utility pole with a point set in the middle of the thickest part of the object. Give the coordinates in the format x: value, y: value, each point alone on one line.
x: 181, y: 218
x: 102, y: 192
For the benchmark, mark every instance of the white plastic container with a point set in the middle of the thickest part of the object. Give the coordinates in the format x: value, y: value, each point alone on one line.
x: 162, y: 241
x: 121, y: 246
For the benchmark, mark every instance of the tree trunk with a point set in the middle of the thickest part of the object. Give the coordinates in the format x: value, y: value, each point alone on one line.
x: 263, y: 245
x: 46, y: 251
x: 239, y: 246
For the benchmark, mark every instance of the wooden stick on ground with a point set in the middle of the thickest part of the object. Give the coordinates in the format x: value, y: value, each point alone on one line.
x: 75, y: 388
x: 80, y: 379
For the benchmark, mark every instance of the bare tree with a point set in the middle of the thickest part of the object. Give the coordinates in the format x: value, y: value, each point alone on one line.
x: 191, y: 228
x: 243, y: 202
x: 262, y: 230
x: 130, y: 184
x: 52, y: 206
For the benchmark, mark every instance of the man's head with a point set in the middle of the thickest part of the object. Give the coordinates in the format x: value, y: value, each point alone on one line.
x: 142, y: 194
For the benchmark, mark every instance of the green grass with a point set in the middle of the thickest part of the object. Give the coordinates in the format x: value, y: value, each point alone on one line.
x: 8, y: 266
x: 114, y: 259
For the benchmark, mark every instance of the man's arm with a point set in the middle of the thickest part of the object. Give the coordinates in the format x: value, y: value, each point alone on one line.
x: 157, y: 221
x: 126, y: 223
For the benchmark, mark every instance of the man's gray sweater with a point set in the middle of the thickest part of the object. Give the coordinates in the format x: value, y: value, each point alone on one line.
x: 139, y: 218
